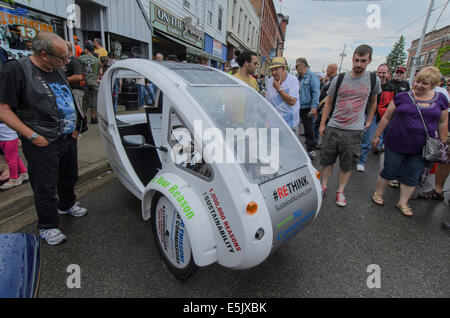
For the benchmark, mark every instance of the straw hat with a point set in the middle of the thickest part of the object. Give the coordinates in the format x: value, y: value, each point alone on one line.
x: 278, y: 62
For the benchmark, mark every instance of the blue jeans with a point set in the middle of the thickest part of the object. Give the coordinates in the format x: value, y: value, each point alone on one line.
x: 142, y: 92
x: 367, y: 141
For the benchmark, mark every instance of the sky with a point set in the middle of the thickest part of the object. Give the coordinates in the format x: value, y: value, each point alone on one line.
x: 319, y: 29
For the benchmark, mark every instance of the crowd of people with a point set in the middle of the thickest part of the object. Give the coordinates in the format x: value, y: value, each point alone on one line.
x: 346, y: 115
x: 343, y: 115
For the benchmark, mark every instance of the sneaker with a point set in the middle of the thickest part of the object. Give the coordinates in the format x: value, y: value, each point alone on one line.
x: 360, y: 168
x: 324, y: 192
x: 52, y: 236
x: 11, y: 184
x: 75, y: 211
x: 312, y: 155
x: 24, y: 177
x: 340, y: 199
x: 394, y: 184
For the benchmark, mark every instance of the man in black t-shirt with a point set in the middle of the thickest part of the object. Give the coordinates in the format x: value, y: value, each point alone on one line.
x: 398, y: 82
x: 74, y: 73
x: 36, y: 101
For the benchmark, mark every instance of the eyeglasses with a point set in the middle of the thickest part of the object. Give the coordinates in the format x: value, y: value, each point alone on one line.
x: 63, y: 59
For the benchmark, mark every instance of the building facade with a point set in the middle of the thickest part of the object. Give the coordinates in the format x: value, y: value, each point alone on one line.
x: 124, y: 34
x: 433, y: 42
x: 243, y: 27
x: 187, y: 28
x: 272, y: 32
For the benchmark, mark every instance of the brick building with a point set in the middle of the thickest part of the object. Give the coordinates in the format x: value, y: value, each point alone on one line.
x: 431, y: 45
x: 273, y: 31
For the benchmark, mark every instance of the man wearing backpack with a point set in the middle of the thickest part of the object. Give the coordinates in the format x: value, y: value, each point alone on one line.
x: 346, y: 104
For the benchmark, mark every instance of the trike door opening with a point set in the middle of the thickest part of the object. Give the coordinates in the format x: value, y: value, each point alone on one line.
x: 138, y: 106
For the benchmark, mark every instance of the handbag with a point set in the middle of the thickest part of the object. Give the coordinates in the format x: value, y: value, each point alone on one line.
x: 432, y: 149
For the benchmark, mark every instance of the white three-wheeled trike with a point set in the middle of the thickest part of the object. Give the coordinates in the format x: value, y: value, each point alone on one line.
x: 220, y: 175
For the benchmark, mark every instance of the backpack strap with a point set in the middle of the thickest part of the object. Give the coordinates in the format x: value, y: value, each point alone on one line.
x: 373, y: 82
x: 338, y: 85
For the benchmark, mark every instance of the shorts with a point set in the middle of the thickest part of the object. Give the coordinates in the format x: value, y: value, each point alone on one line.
x: 405, y: 168
x: 345, y: 144
x: 90, y: 98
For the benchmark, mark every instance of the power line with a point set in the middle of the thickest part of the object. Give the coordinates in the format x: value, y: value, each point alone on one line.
x: 434, y: 28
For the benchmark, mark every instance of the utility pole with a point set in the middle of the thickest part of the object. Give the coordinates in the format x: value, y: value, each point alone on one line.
x: 419, y: 47
x: 342, y: 58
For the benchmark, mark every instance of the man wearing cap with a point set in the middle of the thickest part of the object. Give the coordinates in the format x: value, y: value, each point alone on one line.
x: 234, y: 67
x: 309, y: 102
x: 283, y: 93
x: 78, y: 49
x: 398, y: 82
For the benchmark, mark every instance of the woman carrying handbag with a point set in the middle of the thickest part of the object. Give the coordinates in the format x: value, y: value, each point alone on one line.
x: 413, y: 118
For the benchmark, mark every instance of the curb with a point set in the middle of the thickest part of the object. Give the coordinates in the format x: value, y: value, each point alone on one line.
x: 17, y: 208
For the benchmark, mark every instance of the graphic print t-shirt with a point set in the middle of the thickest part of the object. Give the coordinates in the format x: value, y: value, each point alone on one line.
x: 352, y: 98
x: 91, y: 68
x: 13, y: 80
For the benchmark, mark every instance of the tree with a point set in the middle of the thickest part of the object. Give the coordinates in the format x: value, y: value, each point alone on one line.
x: 398, y: 56
x: 442, y: 64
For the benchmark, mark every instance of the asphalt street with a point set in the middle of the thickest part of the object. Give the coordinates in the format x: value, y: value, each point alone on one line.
x: 117, y: 256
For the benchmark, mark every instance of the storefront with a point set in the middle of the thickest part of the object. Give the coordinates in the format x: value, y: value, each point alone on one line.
x: 122, y: 25
x: 217, y: 52
x: 175, y: 35
x: 19, y: 25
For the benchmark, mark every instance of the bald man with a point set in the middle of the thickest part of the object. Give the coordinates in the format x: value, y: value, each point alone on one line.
x: 36, y: 101
x: 332, y: 70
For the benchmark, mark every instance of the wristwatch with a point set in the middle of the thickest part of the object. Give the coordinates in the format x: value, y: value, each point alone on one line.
x: 279, y: 90
x: 34, y: 136
x: 376, y: 137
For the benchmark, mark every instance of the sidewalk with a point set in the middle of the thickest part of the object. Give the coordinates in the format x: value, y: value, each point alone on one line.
x: 17, y: 204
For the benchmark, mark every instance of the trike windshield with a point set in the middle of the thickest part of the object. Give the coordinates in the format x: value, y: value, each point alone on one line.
x: 247, y: 120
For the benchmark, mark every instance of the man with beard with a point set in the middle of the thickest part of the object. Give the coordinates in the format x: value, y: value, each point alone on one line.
x: 383, y: 101
x: 248, y: 62
x: 343, y: 134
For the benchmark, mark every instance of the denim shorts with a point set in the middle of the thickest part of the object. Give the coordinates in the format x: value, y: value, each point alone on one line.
x: 405, y: 168
x: 345, y: 144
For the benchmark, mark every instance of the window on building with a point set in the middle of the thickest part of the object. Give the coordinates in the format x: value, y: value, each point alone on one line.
x: 239, y: 23
x: 190, y: 5
x: 421, y: 60
x: 210, y: 12
x: 244, y: 30
x: 232, y: 14
x: 249, y: 29
x: 431, y: 57
x: 219, y: 26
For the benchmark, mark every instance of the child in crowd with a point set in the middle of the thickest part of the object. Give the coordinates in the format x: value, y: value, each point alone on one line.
x: 9, y: 143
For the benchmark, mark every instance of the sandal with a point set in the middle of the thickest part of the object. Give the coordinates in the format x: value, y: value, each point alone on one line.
x: 378, y: 199
x: 404, y: 209
x: 432, y: 195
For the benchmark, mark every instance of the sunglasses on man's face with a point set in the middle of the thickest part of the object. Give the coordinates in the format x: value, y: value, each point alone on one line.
x: 63, y: 59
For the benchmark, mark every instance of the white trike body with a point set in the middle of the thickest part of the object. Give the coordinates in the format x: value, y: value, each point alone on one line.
x: 229, y: 213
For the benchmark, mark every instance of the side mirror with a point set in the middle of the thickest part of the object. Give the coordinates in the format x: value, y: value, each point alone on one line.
x: 134, y: 141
